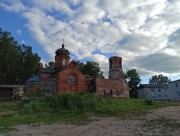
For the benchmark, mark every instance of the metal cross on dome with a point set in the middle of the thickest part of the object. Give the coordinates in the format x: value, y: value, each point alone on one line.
x: 63, y: 44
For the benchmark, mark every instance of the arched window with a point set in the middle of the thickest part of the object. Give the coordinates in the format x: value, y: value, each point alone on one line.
x: 64, y: 61
x: 110, y: 63
x: 29, y: 88
x: 120, y: 64
x: 110, y: 92
x: 104, y: 91
x: 117, y: 92
x: 71, y: 80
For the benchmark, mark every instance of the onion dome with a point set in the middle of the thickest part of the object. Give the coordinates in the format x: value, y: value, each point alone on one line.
x: 62, y: 51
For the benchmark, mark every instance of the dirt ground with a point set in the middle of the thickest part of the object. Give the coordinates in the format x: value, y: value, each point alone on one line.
x: 160, y: 122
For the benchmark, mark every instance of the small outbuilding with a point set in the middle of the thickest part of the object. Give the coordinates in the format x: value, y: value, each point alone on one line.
x: 7, y: 92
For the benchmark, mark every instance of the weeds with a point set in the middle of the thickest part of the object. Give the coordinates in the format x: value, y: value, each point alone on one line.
x: 56, y: 103
x: 70, y: 108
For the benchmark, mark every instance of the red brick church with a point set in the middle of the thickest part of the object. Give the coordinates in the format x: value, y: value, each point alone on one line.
x: 65, y: 77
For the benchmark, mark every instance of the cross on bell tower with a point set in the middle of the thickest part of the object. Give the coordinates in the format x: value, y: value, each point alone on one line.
x: 63, y: 44
x: 62, y: 57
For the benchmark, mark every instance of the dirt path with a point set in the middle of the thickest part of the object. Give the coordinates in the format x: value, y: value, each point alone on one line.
x: 164, y: 121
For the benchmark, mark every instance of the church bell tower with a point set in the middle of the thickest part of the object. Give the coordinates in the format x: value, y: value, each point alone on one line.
x: 62, y: 57
x: 115, y: 68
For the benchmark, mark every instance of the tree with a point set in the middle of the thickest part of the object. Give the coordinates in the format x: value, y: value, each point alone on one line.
x: 50, y: 64
x: 8, y: 56
x: 17, y: 62
x: 28, y: 62
x: 90, y: 68
x: 134, y: 81
x: 159, y: 79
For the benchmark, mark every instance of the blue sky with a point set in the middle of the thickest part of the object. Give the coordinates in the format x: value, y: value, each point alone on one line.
x: 145, y: 33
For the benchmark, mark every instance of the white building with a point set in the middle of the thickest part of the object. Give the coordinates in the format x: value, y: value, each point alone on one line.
x: 153, y: 92
x: 167, y: 92
x: 174, y: 90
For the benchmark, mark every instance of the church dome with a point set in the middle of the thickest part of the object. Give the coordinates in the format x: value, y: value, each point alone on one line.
x: 62, y: 51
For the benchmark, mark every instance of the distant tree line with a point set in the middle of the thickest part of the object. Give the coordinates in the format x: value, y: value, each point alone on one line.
x: 17, y: 62
x: 159, y: 79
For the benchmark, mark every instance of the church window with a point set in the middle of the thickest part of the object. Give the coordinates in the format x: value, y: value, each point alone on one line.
x: 47, y: 91
x: 104, y: 91
x: 29, y: 88
x: 111, y: 64
x: 110, y: 92
x: 64, y: 61
x: 117, y: 92
x: 120, y: 64
x: 71, y: 80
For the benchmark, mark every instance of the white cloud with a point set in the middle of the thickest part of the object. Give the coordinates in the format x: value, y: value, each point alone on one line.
x: 144, y: 32
x: 13, y: 5
x: 19, y: 32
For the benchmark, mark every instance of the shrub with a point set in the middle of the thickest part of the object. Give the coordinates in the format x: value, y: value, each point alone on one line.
x: 147, y: 101
x: 40, y: 91
x: 75, y: 101
x: 67, y: 101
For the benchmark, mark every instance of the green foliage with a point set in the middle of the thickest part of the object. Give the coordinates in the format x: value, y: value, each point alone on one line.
x: 159, y: 79
x: 134, y: 81
x: 34, y: 106
x: 17, y: 61
x: 72, y: 101
x: 85, y: 102
x: 147, y: 101
x: 50, y: 64
x: 40, y: 91
x: 27, y: 62
x: 90, y: 68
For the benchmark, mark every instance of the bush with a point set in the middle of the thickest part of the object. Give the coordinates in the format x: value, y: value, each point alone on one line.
x: 32, y: 106
x: 40, y: 91
x: 147, y: 101
x: 67, y: 101
x: 75, y: 101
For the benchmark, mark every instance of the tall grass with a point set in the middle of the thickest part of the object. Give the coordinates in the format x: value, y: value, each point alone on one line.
x: 58, y: 103
x: 71, y: 108
x: 85, y: 102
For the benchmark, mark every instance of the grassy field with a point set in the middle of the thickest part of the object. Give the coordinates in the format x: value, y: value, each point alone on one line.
x: 70, y: 108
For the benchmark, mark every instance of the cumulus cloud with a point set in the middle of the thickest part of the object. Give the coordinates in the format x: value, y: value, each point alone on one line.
x: 159, y: 62
x: 13, y: 5
x: 145, y: 33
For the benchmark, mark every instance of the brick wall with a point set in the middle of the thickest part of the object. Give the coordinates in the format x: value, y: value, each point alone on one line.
x: 45, y: 76
x: 63, y: 81
x: 110, y: 87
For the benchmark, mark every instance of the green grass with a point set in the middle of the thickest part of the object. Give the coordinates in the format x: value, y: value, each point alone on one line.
x: 70, y: 108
